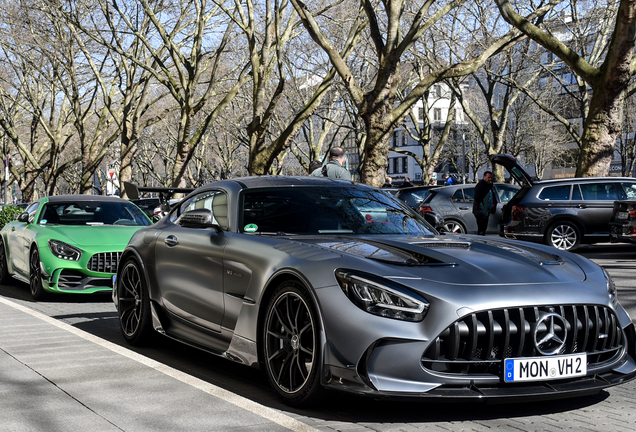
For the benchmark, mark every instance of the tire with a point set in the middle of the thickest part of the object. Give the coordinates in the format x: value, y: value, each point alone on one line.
x: 563, y: 235
x: 290, y: 345
x: 4, y: 269
x: 35, y: 277
x: 133, y: 305
x: 454, y: 227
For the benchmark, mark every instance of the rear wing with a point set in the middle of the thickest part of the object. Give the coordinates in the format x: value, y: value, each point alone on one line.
x: 164, y: 193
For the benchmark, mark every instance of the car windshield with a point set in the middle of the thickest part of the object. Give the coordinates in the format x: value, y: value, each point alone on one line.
x: 92, y: 213
x: 334, y: 210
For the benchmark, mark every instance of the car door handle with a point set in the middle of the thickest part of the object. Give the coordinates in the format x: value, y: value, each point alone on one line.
x: 581, y: 206
x: 464, y: 208
x: 171, y: 241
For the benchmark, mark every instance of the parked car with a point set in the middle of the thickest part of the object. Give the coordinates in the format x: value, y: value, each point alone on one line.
x: 455, y: 205
x: 68, y: 243
x: 148, y: 205
x: 325, y: 284
x: 623, y: 222
x: 562, y: 213
x: 413, y: 196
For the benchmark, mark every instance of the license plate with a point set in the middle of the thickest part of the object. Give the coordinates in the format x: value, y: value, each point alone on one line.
x: 545, y: 368
x: 622, y: 215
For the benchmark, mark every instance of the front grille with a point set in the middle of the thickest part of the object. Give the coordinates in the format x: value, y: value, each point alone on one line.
x: 105, y: 262
x: 477, y: 343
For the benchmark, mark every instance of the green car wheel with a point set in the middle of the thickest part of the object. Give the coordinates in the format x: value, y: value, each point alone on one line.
x: 35, y: 277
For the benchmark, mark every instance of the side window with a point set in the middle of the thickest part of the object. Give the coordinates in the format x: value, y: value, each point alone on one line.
x: 505, y: 193
x: 215, y: 201
x: 576, y: 193
x: 458, y: 196
x: 630, y: 189
x: 600, y: 191
x: 555, y: 193
x: 469, y: 195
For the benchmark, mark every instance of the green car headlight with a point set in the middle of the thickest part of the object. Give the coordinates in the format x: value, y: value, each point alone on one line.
x: 382, y: 297
x: 64, y: 251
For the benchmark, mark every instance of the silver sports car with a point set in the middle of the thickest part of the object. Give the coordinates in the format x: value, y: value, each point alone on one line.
x: 327, y: 284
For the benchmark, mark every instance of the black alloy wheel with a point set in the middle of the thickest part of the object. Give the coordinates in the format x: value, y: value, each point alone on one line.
x: 290, y: 345
x: 133, y: 305
x: 4, y: 269
x: 35, y: 276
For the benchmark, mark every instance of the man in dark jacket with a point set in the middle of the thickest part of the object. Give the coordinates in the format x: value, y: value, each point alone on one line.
x: 485, y: 202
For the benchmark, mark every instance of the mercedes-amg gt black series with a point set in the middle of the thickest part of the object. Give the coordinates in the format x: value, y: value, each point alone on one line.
x: 328, y: 284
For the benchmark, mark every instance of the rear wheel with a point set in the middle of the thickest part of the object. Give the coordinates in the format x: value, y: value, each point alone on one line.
x: 133, y: 305
x: 563, y: 235
x: 35, y: 276
x: 290, y: 345
x: 454, y: 227
x: 4, y: 269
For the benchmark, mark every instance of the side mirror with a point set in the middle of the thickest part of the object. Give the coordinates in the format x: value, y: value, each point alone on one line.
x: 22, y: 217
x: 198, y: 218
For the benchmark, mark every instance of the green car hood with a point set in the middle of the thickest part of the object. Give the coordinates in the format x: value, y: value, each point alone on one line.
x: 85, y: 236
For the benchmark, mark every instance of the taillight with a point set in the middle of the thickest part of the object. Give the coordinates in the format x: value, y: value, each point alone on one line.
x: 632, y: 211
x: 516, y: 212
x: 424, y: 209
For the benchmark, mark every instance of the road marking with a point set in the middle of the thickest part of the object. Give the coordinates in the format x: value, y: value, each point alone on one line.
x: 239, y: 401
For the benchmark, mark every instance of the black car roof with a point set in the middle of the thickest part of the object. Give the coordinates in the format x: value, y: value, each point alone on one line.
x: 277, y: 181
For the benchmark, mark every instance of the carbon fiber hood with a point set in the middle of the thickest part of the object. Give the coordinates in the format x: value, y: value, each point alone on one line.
x: 460, y: 259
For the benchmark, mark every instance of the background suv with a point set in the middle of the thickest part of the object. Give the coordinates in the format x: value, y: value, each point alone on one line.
x: 561, y: 213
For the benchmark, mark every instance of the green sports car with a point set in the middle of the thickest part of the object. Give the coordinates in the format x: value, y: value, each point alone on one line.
x: 68, y: 243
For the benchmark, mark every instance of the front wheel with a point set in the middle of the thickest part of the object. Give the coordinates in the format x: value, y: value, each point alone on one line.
x: 35, y: 276
x: 133, y: 305
x: 563, y: 235
x: 290, y: 345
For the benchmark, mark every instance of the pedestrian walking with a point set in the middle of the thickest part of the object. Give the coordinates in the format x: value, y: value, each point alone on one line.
x: 335, y: 167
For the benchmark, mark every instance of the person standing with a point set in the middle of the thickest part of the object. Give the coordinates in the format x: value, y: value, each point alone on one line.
x: 485, y: 202
x: 406, y: 183
x: 314, y: 165
x: 335, y: 167
x: 388, y: 182
x: 450, y: 180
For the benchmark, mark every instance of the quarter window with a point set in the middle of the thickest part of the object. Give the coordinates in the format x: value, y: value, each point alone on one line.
x: 555, y: 193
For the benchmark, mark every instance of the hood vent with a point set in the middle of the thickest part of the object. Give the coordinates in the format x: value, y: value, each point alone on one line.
x: 536, y: 255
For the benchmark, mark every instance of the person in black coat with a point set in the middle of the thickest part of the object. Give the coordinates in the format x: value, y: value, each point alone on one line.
x: 485, y: 202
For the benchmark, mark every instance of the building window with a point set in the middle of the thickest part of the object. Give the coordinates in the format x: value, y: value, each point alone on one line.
x: 437, y: 114
x: 437, y: 90
x: 420, y: 113
x: 405, y: 165
x: 394, y: 143
x: 396, y: 165
x: 404, y: 138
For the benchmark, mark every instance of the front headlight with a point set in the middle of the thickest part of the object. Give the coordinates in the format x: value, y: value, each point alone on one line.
x: 382, y: 297
x: 611, y: 288
x: 64, y: 251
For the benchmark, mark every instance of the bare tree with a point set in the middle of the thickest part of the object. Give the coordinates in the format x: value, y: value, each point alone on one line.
x: 608, y: 79
x: 394, y: 27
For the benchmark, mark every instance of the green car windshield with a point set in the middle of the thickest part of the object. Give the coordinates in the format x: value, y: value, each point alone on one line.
x: 92, y: 213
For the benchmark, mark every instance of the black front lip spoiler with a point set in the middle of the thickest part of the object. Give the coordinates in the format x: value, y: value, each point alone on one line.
x: 508, y: 393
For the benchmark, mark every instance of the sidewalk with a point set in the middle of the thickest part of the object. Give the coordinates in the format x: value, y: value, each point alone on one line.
x: 55, y: 377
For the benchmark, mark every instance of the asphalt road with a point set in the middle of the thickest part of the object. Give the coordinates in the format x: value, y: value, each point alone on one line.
x: 610, y: 410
